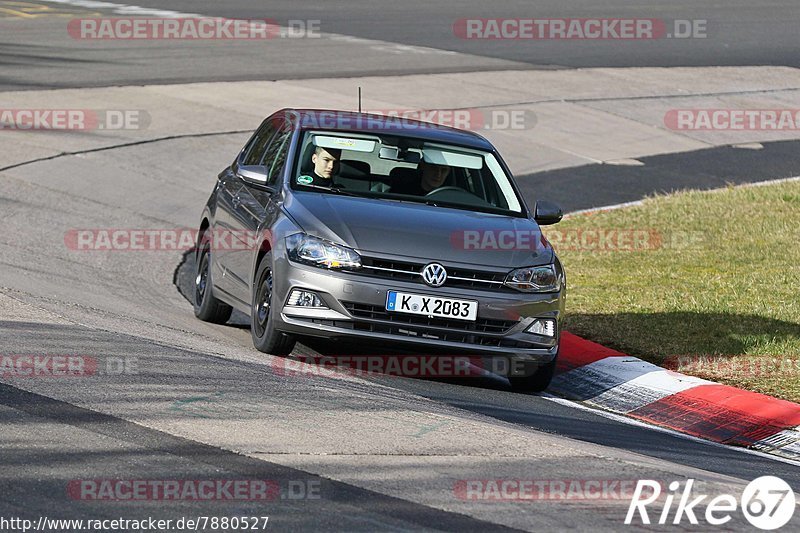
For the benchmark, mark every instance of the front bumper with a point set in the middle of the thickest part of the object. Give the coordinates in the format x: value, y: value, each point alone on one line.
x: 356, y: 310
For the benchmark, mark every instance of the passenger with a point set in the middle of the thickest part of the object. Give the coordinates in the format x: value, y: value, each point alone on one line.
x: 326, y: 165
x: 431, y: 177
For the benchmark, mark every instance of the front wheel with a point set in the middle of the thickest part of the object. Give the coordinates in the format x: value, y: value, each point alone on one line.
x: 206, y: 306
x: 262, y: 325
x: 538, y: 381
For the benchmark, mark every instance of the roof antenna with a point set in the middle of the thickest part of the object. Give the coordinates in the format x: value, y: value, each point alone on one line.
x: 359, y: 99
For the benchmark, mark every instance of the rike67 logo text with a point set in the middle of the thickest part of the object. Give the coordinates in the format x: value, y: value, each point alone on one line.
x: 767, y: 503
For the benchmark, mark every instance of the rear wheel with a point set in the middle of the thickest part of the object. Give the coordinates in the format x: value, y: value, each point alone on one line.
x: 206, y: 306
x: 262, y: 326
x: 537, y: 381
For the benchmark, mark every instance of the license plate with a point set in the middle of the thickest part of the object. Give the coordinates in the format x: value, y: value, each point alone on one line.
x: 418, y: 304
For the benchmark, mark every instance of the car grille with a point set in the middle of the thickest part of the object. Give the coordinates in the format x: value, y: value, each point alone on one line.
x: 456, y: 277
x: 375, y: 319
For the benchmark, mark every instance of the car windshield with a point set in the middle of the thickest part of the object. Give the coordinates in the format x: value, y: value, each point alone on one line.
x: 404, y: 169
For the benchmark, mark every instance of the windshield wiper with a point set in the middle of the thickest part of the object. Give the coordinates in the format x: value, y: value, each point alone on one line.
x: 430, y: 202
x: 467, y: 207
x: 335, y: 190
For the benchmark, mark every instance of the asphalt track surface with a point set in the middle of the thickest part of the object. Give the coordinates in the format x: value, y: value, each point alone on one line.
x: 402, y: 38
x: 144, y: 426
x: 743, y: 33
x: 205, y: 384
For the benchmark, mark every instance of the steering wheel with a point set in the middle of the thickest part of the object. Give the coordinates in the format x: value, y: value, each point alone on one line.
x: 446, y: 188
x: 451, y: 193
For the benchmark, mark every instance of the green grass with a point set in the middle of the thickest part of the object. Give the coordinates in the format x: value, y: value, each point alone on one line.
x: 719, y: 276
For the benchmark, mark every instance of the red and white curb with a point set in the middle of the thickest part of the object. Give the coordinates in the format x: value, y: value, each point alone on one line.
x: 610, y: 380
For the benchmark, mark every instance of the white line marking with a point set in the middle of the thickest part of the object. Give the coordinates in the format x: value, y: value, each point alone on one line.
x: 764, y: 183
x: 386, y: 46
x: 125, y: 9
x: 604, y: 208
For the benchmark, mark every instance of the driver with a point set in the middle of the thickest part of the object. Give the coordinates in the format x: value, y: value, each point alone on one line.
x: 431, y: 178
x: 326, y: 165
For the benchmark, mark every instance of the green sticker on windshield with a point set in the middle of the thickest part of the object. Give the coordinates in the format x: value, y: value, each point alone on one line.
x: 305, y: 180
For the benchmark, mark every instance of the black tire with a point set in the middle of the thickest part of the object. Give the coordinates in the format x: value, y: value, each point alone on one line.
x: 262, y: 326
x: 206, y: 306
x: 538, y: 381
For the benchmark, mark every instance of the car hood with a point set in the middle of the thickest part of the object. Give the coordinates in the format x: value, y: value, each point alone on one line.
x: 414, y: 230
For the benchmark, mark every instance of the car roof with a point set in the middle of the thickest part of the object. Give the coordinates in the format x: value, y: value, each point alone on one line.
x: 337, y: 120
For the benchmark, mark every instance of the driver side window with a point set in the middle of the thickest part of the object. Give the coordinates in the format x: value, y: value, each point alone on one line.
x: 258, y: 146
x: 275, y: 156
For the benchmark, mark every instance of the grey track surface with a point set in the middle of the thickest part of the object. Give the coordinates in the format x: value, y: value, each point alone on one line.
x: 405, y: 439
x: 743, y: 33
x: 203, y: 404
x: 408, y: 37
x: 84, y: 444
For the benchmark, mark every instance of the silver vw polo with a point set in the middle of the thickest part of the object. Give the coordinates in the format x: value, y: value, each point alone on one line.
x: 349, y: 225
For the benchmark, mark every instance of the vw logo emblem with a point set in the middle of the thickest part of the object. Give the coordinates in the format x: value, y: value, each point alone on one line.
x: 434, y: 275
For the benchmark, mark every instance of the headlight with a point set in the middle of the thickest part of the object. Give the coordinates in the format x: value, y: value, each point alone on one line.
x: 534, y: 279
x: 310, y: 250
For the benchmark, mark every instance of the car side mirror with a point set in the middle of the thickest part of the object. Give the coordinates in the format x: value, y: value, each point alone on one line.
x: 546, y: 213
x: 253, y: 173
